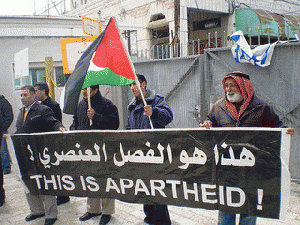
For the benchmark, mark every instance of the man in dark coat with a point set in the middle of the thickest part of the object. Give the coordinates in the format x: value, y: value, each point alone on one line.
x: 37, y: 118
x: 42, y: 94
x: 6, y: 118
x: 139, y: 118
x: 103, y: 115
x: 241, y: 108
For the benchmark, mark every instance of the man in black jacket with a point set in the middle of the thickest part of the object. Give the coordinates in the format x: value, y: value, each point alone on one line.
x: 42, y: 94
x: 103, y: 115
x: 6, y: 118
x: 37, y: 118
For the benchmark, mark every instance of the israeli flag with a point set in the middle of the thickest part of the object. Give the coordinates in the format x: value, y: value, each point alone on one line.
x: 259, y: 56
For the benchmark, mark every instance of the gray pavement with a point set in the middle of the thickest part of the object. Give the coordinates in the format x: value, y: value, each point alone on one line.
x: 16, y: 209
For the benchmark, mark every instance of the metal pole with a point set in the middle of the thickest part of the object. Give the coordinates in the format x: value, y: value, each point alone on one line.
x: 259, y: 35
x: 298, y: 30
x: 250, y: 38
x: 278, y: 33
x: 48, y: 11
x: 65, y: 8
x: 193, y: 47
x: 216, y: 39
x: 153, y: 52
x: 34, y: 12
x: 269, y: 35
x: 181, y: 49
x: 224, y: 38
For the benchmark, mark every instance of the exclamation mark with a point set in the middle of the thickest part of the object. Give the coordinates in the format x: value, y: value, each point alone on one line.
x: 260, y: 193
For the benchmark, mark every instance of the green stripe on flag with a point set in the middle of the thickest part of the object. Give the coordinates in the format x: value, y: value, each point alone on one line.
x: 105, y: 76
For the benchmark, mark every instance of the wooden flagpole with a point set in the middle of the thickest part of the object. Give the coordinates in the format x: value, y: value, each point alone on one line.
x: 89, y: 102
x: 143, y: 98
x: 133, y: 69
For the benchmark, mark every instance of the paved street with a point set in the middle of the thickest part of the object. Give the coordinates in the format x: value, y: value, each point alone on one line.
x: 16, y: 209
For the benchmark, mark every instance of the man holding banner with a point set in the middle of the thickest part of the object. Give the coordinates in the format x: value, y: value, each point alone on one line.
x: 104, y: 116
x: 42, y: 95
x: 241, y: 108
x: 37, y: 118
x: 139, y: 118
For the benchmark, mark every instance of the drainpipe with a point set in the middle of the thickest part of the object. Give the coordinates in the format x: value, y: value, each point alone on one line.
x: 183, y: 33
x: 175, y: 37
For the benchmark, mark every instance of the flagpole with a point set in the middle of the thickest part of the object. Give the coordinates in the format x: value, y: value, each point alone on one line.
x: 89, y: 102
x: 142, y: 95
x: 133, y: 69
x: 143, y: 98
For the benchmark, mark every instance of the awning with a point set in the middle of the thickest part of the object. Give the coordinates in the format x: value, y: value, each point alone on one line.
x: 255, y: 22
x: 158, y: 23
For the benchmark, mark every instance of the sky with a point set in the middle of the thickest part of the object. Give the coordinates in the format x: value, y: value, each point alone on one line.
x: 17, y: 7
x: 22, y: 7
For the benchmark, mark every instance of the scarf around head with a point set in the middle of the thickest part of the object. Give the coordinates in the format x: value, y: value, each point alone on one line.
x: 247, y: 91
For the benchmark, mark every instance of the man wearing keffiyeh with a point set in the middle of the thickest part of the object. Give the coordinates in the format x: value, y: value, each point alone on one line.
x: 241, y: 108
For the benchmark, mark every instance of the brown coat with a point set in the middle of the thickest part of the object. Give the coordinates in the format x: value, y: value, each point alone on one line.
x: 257, y: 114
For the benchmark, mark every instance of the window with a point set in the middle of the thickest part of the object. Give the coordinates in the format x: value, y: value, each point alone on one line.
x: 61, y: 78
x: 39, y: 75
x: 207, y: 24
x: 130, y: 40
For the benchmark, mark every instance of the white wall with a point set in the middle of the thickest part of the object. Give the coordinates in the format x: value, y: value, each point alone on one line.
x: 17, y: 33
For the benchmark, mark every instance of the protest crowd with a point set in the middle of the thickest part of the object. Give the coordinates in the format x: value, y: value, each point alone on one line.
x: 234, y: 163
x: 240, y: 107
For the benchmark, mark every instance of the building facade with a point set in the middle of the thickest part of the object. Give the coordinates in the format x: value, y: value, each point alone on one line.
x: 41, y: 35
x: 157, y: 29
x: 152, y: 27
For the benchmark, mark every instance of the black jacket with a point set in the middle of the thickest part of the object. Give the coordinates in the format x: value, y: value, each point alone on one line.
x: 40, y: 118
x: 6, y: 114
x: 54, y: 106
x: 106, y: 115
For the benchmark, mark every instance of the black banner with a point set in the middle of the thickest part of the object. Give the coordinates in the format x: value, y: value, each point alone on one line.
x: 235, y: 170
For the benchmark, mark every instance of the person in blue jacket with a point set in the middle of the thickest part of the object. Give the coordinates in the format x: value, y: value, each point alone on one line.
x: 139, y: 118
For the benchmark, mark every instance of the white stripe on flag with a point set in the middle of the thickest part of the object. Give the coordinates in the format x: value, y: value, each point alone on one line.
x: 242, y: 52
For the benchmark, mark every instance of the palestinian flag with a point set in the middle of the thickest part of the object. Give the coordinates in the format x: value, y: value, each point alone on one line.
x: 105, y: 61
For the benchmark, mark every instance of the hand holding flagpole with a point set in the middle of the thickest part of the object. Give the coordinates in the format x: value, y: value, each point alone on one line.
x: 136, y: 79
x: 89, y: 102
x: 142, y: 95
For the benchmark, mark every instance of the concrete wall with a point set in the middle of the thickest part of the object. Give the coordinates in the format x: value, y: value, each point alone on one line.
x: 278, y: 84
x: 210, y: 5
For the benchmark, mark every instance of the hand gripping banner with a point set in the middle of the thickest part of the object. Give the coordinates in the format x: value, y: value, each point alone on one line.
x: 236, y: 170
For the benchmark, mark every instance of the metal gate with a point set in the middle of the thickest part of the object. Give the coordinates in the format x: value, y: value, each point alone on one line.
x: 192, y: 84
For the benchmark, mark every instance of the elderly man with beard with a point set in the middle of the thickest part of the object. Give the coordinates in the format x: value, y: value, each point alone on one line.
x: 241, y: 108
